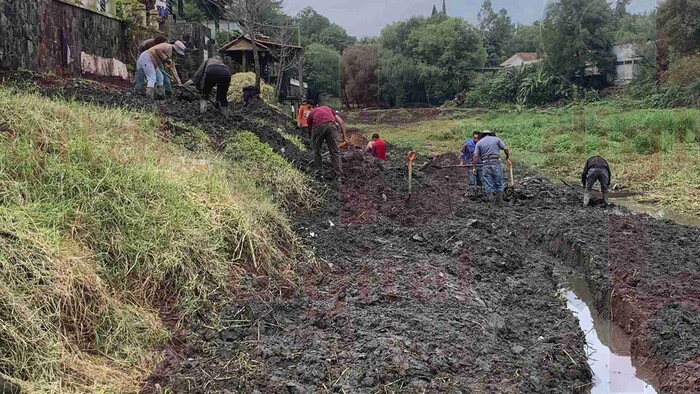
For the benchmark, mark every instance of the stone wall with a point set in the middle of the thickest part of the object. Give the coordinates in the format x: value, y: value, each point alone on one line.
x: 197, y: 38
x: 60, y: 37
x: 19, y: 34
x: 55, y: 36
x: 83, y: 30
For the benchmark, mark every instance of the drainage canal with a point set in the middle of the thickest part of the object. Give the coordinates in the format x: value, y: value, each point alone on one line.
x: 608, y: 346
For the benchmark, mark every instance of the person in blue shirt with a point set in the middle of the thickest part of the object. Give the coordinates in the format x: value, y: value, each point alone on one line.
x: 488, y: 149
x: 466, y: 156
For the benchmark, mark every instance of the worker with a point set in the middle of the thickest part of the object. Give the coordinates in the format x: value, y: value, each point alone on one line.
x: 466, y: 156
x: 596, y: 169
x: 140, y: 75
x: 213, y: 72
x: 323, y: 123
x: 150, y: 60
x: 377, y: 147
x: 302, y: 117
x: 488, y: 149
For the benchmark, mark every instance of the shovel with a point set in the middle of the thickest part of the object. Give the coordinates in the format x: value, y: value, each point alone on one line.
x: 510, y: 190
x: 411, y: 158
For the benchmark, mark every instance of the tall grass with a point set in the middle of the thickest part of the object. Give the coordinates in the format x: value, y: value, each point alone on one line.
x: 650, y: 150
x: 101, y: 222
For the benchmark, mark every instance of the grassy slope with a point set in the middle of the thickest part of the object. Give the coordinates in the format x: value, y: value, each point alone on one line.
x: 649, y: 150
x: 101, y: 222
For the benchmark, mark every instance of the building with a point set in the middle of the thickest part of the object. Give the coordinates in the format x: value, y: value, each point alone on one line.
x: 628, y: 62
x: 520, y: 59
x: 240, y: 52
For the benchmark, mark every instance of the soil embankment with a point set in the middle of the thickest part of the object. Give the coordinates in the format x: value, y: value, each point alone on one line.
x: 439, y: 292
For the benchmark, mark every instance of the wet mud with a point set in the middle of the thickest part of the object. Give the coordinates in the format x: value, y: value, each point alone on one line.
x: 435, y: 290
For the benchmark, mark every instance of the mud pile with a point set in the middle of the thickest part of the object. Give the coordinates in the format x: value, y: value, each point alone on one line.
x: 264, y: 121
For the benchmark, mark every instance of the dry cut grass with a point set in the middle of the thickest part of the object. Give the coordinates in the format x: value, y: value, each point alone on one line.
x: 102, y: 223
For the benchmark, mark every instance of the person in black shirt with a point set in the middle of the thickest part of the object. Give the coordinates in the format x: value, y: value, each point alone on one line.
x: 596, y: 169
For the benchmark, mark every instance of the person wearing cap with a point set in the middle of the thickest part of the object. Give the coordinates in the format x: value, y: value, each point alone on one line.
x: 595, y: 170
x: 377, y: 147
x: 466, y: 156
x: 140, y: 75
x: 213, y: 72
x: 488, y: 149
x: 151, y: 59
x: 323, y: 123
x: 303, y: 115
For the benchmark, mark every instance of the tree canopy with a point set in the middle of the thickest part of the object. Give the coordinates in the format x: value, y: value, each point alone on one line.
x: 316, y: 28
x: 427, y: 60
x: 498, y: 30
x: 322, y: 68
x: 576, y: 34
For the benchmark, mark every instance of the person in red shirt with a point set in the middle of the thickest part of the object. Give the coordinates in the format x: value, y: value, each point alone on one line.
x: 377, y: 147
x: 323, y: 123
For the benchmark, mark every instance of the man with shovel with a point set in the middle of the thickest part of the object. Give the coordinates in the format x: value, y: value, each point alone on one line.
x: 488, y: 149
x: 595, y: 170
x: 213, y: 72
x: 323, y: 123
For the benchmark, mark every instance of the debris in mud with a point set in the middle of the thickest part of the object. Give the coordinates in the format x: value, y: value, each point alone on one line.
x: 674, y: 334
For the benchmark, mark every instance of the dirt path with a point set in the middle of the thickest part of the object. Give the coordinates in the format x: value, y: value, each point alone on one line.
x: 443, y: 293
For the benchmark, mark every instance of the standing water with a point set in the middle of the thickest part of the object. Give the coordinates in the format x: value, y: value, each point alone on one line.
x: 607, y: 347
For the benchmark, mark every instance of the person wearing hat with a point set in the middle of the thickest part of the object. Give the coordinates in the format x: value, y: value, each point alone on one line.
x: 303, y: 115
x: 488, y: 149
x: 140, y: 75
x: 595, y: 170
x: 150, y: 60
x: 213, y: 72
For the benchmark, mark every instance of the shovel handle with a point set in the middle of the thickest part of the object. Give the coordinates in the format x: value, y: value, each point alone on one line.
x: 512, y: 181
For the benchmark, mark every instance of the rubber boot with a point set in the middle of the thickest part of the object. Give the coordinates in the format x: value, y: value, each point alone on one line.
x: 160, y: 92
x: 224, y: 110
x: 202, y: 106
x: 586, y: 198
x: 149, y: 92
x: 499, y: 199
x: 605, y: 198
x: 490, y: 198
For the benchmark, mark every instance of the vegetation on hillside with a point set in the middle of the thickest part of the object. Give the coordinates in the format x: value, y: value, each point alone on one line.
x: 103, y: 223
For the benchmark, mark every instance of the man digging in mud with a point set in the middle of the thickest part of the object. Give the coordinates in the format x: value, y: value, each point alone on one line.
x: 213, y: 72
x: 149, y: 62
x: 596, y: 169
x: 323, y: 123
x: 488, y: 149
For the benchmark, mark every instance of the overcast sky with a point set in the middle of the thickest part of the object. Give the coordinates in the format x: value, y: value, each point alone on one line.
x: 367, y: 17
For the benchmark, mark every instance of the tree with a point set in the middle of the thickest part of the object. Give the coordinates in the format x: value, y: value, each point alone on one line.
x: 577, y: 34
x: 427, y: 59
x: 316, y: 28
x: 360, y: 75
x: 525, y: 39
x: 497, y: 29
x: 678, y: 26
x: 322, y: 68
x: 251, y: 16
x: 287, y: 55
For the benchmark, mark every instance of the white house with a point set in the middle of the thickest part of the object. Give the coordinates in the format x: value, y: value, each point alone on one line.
x: 520, y: 59
x: 628, y: 62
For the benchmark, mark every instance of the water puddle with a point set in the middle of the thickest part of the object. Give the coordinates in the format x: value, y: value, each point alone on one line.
x: 657, y: 212
x: 608, y: 347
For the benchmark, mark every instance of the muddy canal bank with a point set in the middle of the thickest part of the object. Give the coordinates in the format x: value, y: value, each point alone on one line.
x: 438, y: 292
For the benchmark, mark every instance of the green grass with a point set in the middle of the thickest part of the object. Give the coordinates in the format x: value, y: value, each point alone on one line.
x: 102, y: 222
x: 650, y: 150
